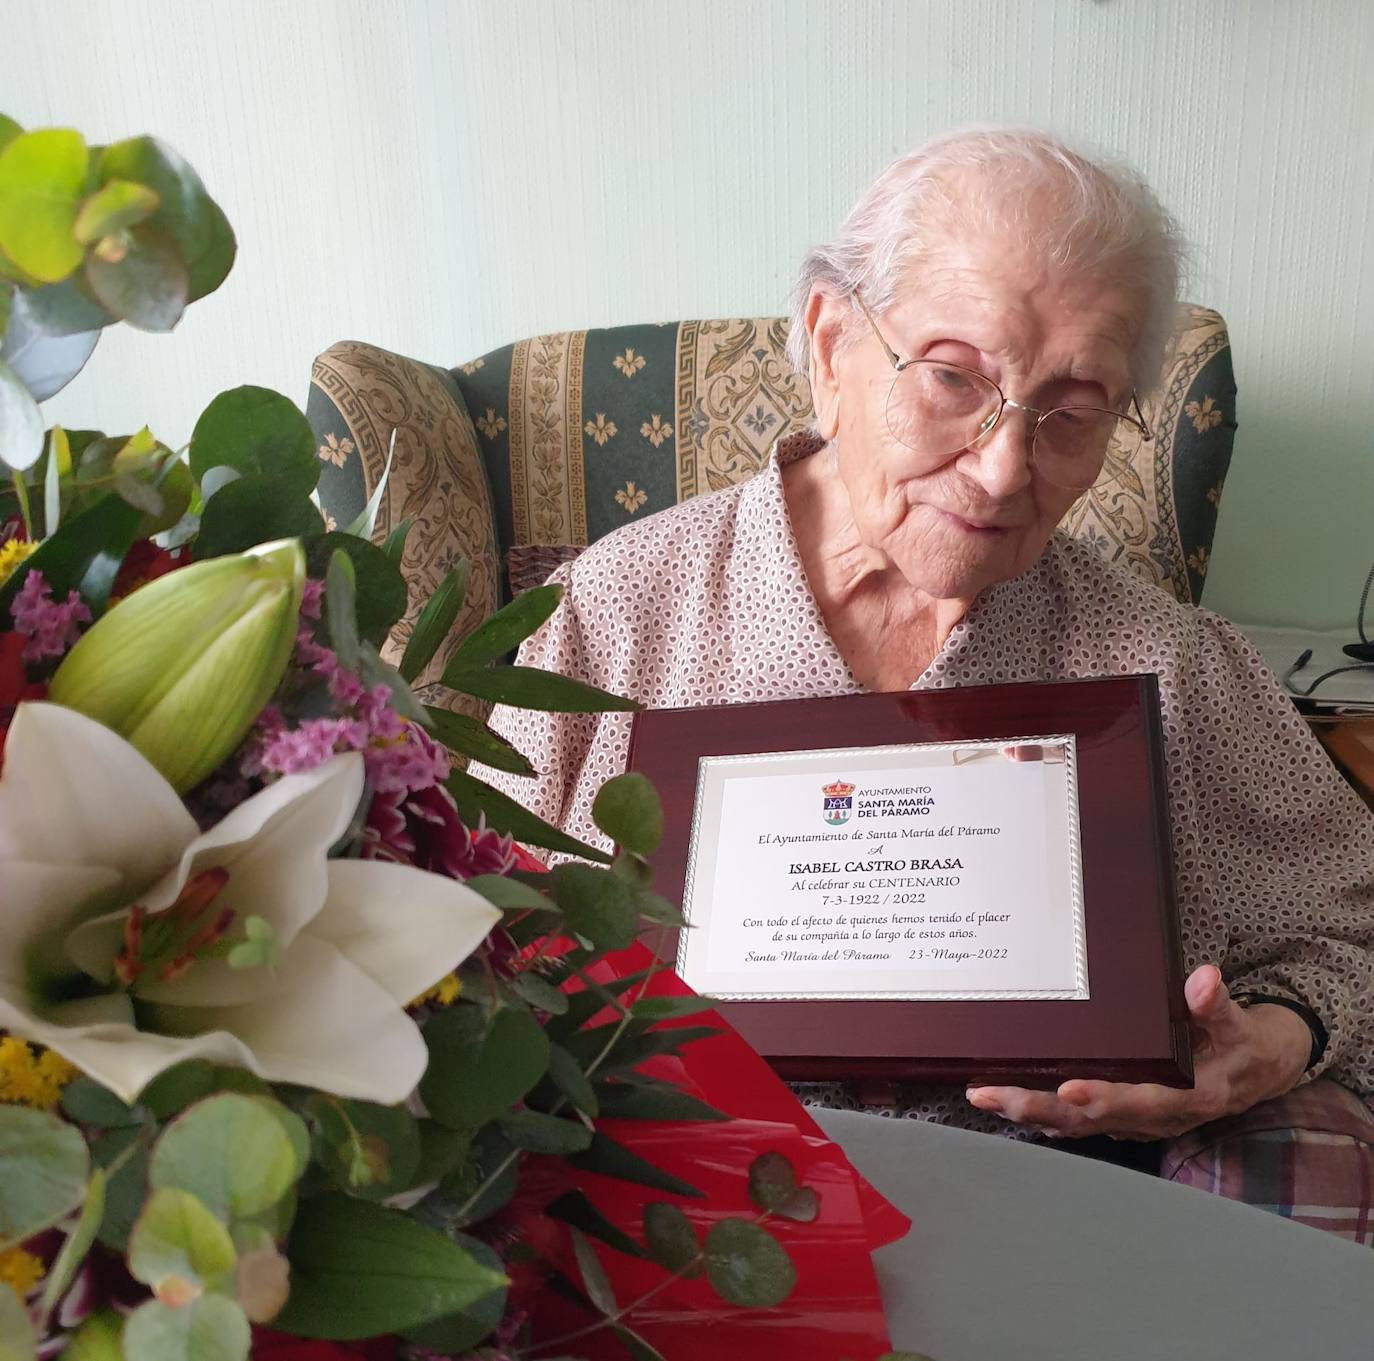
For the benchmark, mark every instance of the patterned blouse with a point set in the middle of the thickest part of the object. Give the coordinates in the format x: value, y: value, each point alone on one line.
x: 708, y: 603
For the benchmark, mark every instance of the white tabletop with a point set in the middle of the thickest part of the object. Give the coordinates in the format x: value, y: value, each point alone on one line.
x: 1281, y: 647
x: 1019, y: 1253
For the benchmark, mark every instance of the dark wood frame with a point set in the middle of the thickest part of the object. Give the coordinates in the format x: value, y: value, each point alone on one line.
x: 1134, y: 1028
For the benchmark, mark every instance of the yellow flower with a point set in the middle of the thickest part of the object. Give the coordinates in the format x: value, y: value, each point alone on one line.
x: 601, y: 429
x: 21, y: 1271
x: 629, y: 363
x: 12, y: 553
x: 27, y: 1080
x: 491, y: 424
x: 631, y: 497
x: 443, y: 994
x: 656, y: 431
x: 335, y: 450
x: 1204, y: 417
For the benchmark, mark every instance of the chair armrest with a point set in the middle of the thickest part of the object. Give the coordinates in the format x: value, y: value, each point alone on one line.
x: 1307, y: 1155
x: 359, y: 394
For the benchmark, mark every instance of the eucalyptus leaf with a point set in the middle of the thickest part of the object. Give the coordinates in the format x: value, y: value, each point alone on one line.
x: 88, y: 1103
x: 536, y: 1132
x: 539, y: 992
x: 178, y: 1247
x: 369, y: 1150
x: 480, y: 1065
x: 567, y: 1075
x: 146, y: 284
x: 527, y: 687
x: 596, y: 905
x: 379, y: 588
x: 115, y: 206
x: 230, y: 1150
x: 628, y: 810
x: 9, y: 130
x: 340, y: 609
x: 257, y: 430
x: 255, y: 509
x: 97, y: 1339
x: 61, y: 309
x: 434, y: 622
x: 477, y: 799
x: 501, y: 633
x: 773, y: 1188
x: 44, y: 1167
x: 594, y: 1278
x: 45, y: 364
x: 671, y: 1238
x: 358, y: 1270
x: 21, y: 425
x: 747, y: 1266
x: 42, y: 179
x: 209, y: 1328
x: 210, y: 268
x: 123, y: 1155
x: 483, y: 1184
x: 471, y: 737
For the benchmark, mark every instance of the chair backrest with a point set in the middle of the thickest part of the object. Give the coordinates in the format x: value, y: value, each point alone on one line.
x: 546, y: 444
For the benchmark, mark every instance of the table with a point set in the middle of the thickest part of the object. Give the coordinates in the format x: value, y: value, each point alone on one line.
x: 1020, y: 1253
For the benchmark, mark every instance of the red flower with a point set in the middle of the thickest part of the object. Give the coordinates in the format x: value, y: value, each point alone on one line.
x: 270, y: 1346
x: 15, y: 686
x: 143, y: 563
x: 423, y: 829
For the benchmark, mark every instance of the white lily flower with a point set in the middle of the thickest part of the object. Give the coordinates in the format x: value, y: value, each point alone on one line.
x: 115, y: 910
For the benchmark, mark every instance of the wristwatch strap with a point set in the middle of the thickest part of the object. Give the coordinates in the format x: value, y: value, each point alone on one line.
x: 1319, y: 1035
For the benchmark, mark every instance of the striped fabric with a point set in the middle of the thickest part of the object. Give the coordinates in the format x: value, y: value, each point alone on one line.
x: 1308, y: 1156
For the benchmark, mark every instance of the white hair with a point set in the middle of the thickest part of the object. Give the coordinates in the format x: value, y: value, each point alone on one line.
x: 1081, y: 215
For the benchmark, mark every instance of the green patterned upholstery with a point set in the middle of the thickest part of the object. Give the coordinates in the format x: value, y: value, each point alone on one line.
x: 560, y: 439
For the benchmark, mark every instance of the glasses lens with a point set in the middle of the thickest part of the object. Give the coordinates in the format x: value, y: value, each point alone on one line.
x: 936, y: 409
x: 1070, y: 444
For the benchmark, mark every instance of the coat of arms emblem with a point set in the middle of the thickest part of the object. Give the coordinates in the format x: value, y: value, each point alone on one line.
x: 839, y: 802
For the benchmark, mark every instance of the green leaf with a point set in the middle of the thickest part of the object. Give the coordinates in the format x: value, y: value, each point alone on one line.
x: 593, y: 1274
x: 147, y: 286
x: 126, y: 1188
x: 627, y: 809
x: 504, y: 631
x: 210, y: 269
x: 652, y: 907
x: 671, y: 1238
x: 471, y: 737
x: 596, y: 905
x: 88, y: 1103
x: 42, y: 180
x: 639, y: 1349
x: 395, y: 542
x: 567, y: 1075
x: 746, y: 1265
x: 21, y: 425
x: 340, y: 609
x: 97, y: 1339
x: 526, y: 687
x: 644, y: 1101
x: 539, y: 993
x: 367, y: 1149
x: 210, y: 1328
x: 374, y: 671
x: 773, y: 1187
x: 484, y: 1183
x: 480, y: 1065
x: 670, y: 1008
x: 379, y: 587
x: 62, y: 309
x: 256, y: 430
x: 178, y: 1248
x: 116, y: 205
x: 251, y: 511
x: 611, y: 1159
x: 536, y: 1132
x: 233, y: 1151
x: 43, y: 1170
x: 358, y: 1270
x: 17, y: 1339
x: 175, y: 1088
x: 76, y: 1244
x: 475, y: 798
x: 434, y: 622
x: 458, y: 1333
x: 510, y: 894
x: 9, y: 130
x: 573, y: 1207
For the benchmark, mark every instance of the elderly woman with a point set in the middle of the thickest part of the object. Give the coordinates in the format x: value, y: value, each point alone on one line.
x: 985, y: 318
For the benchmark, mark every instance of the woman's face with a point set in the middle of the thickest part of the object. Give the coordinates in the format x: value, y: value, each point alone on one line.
x: 957, y: 523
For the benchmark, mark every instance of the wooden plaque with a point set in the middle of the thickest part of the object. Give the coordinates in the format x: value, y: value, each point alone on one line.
x: 1106, y: 1001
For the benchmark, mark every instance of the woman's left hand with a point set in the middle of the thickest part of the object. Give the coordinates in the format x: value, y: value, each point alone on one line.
x: 1241, y: 1056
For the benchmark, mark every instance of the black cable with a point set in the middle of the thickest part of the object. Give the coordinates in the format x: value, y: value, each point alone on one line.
x: 1364, y: 649
x: 1303, y: 659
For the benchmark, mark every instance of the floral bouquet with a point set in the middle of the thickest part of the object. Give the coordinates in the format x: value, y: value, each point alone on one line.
x: 301, y: 1056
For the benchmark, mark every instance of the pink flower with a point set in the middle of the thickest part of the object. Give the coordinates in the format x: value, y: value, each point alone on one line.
x: 51, y: 628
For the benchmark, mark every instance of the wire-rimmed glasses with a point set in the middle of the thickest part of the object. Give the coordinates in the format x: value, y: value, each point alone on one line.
x: 936, y: 408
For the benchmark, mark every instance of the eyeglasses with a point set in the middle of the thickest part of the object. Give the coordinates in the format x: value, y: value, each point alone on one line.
x: 936, y: 408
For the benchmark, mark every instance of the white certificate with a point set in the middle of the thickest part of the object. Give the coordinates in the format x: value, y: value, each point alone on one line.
x: 930, y: 871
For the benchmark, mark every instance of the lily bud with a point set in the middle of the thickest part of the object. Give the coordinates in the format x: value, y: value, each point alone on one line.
x: 181, y: 667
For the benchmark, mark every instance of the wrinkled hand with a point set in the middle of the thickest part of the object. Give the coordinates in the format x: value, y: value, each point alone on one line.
x: 1241, y: 1056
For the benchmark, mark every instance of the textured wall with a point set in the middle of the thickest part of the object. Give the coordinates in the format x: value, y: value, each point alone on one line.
x: 439, y: 177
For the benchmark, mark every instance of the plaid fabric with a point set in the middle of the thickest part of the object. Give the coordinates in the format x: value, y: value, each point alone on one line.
x: 1307, y: 1156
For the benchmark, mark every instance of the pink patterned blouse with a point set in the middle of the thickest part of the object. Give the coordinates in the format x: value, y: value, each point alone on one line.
x: 708, y: 603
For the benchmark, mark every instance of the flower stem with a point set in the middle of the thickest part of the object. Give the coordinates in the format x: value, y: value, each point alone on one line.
x: 21, y: 491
